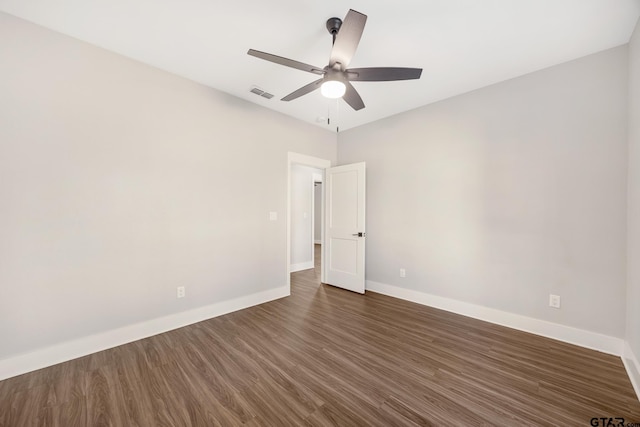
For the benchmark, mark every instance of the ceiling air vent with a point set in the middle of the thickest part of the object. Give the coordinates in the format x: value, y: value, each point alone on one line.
x: 261, y: 92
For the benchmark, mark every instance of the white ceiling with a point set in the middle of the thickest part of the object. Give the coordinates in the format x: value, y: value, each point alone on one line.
x: 462, y: 45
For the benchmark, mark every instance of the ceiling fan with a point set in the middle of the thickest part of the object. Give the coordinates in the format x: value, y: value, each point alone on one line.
x: 336, y: 77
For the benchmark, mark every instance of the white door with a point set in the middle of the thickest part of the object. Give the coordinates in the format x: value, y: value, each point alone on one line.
x: 344, y: 246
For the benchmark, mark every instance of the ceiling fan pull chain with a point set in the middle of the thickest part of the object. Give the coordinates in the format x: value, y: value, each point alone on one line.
x: 337, y: 116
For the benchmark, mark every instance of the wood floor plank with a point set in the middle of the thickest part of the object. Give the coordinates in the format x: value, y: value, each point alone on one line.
x: 25, y: 405
x: 105, y: 403
x: 275, y: 405
x: 72, y: 413
x: 136, y: 396
x: 193, y: 360
x: 214, y: 412
x: 328, y: 357
x: 165, y: 412
x: 270, y: 372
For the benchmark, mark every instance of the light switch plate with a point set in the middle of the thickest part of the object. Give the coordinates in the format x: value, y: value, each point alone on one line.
x: 273, y: 216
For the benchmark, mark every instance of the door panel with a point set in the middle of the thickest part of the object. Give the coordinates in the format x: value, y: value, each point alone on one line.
x: 344, y: 255
x: 344, y: 212
x: 344, y: 249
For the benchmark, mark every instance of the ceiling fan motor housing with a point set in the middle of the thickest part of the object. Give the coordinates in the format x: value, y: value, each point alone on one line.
x: 333, y: 26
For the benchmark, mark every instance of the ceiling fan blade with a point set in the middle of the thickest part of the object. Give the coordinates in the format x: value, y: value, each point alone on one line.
x: 303, y: 90
x: 383, y: 74
x: 347, y: 39
x: 352, y: 97
x: 286, y: 62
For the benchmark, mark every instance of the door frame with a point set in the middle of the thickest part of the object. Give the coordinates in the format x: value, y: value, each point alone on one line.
x: 314, y: 162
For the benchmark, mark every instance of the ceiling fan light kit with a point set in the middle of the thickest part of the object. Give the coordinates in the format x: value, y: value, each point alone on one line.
x: 333, y: 89
x: 336, y: 77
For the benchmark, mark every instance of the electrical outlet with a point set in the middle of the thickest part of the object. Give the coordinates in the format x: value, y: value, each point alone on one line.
x: 403, y: 272
x: 180, y: 292
x: 554, y: 301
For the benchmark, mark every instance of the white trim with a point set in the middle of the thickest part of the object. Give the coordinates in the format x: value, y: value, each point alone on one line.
x: 632, y: 366
x: 69, y: 350
x: 303, y: 159
x: 568, y: 334
x: 317, y: 242
x: 301, y: 266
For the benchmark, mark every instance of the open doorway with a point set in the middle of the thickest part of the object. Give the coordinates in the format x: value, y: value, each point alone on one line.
x: 302, y: 214
x: 317, y: 211
x: 317, y: 223
x: 305, y: 216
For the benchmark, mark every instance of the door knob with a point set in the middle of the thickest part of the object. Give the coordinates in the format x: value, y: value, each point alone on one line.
x: 360, y: 234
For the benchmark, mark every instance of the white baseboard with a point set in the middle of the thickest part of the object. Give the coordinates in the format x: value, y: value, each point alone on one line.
x: 69, y: 350
x: 632, y: 366
x: 580, y: 337
x: 300, y: 266
x: 317, y: 242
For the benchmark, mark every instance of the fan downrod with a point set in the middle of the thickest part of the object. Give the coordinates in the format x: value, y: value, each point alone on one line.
x: 333, y: 26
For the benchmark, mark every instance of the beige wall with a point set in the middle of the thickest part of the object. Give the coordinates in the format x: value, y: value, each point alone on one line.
x: 504, y: 195
x: 120, y: 182
x: 633, y: 244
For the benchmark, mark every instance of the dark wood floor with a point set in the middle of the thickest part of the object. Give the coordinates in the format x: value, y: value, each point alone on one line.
x: 325, y: 356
